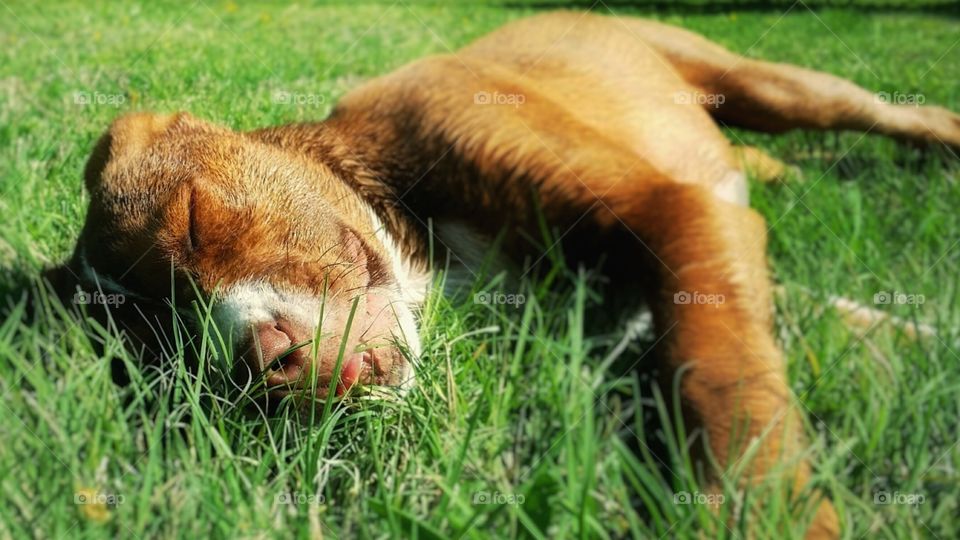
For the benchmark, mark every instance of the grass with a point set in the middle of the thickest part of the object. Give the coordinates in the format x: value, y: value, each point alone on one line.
x: 513, y: 404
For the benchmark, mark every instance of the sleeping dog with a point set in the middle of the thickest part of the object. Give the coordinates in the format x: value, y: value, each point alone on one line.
x: 309, y: 242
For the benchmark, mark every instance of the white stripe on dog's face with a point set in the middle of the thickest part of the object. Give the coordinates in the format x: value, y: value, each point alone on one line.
x: 413, y: 280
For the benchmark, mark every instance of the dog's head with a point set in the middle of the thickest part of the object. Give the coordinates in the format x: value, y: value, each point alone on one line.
x: 279, y: 248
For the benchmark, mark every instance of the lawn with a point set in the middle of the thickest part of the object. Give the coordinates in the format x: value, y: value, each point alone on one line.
x: 523, y: 422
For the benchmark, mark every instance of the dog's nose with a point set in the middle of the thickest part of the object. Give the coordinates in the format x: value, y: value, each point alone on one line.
x: 284, y: 353
x: 279, y: 355
x: 272, y: 342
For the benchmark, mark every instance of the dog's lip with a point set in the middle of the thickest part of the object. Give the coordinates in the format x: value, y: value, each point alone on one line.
x: 357, y: 369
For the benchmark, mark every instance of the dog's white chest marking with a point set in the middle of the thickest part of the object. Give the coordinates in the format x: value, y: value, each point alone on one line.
x: 732, y: 187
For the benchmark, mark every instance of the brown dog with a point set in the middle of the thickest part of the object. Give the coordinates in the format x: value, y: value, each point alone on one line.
x: 317, y: 233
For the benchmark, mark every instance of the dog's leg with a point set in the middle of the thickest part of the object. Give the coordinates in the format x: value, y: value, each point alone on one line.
x: 712, y: 308
x: 778, y: 97
x: 775, y: 97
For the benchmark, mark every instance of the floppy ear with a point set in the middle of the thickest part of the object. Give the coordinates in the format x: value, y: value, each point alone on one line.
x: 129, y: 135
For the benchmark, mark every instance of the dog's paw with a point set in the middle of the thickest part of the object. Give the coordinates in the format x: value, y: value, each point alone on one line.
x: 941, y: 126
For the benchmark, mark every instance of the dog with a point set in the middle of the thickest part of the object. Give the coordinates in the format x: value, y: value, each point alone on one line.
x: 310, y: 243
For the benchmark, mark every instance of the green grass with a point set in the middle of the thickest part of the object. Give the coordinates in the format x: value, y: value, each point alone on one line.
x: 515, y: 402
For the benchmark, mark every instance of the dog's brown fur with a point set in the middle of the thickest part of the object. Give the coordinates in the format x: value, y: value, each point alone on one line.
x: 600, y: 132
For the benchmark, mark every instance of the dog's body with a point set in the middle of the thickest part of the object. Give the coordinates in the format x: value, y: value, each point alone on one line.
x: 606, y: 127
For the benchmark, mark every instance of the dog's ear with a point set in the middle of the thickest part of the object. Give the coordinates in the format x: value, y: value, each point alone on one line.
x: 128, y: 136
